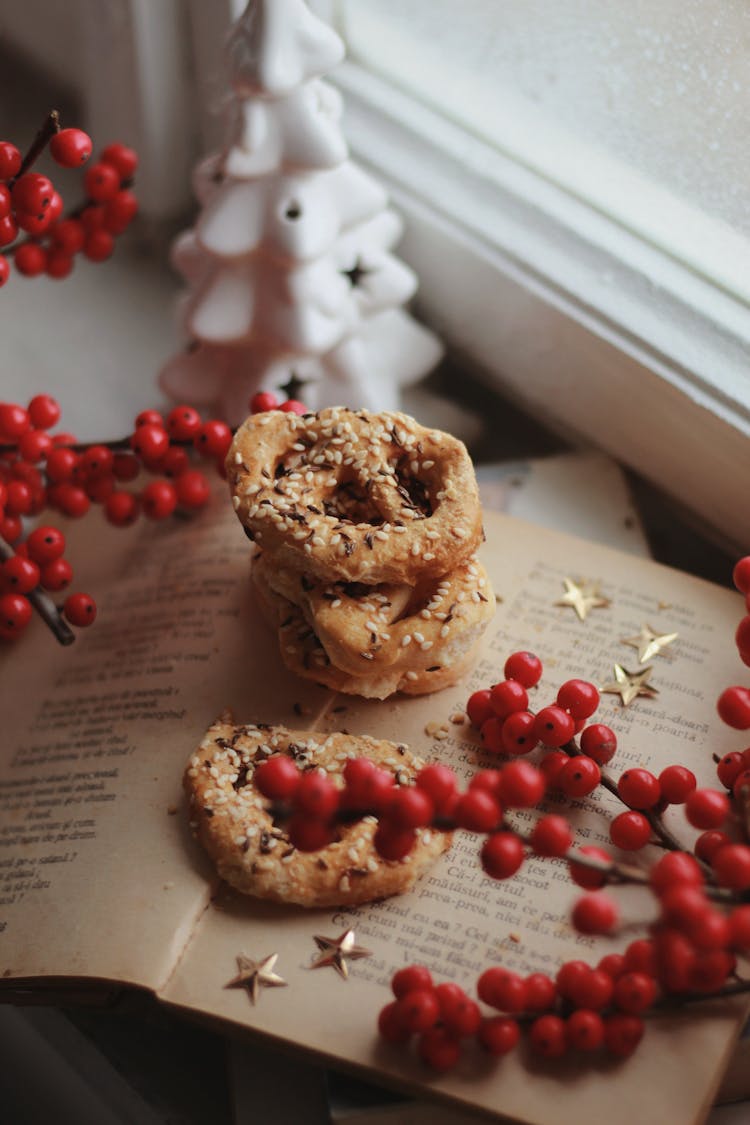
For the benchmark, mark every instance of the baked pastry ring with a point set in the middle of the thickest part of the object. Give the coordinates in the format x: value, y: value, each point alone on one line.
x: 416, y: 673
x: 232, y: 821
x: 355, y: 496
x: 366, y: 630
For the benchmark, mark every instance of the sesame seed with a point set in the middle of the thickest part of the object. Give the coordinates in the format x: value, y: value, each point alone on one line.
x: 406, y: 640
x: 235, y: 502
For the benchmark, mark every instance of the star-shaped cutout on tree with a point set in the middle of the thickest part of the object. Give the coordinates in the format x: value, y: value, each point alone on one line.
x: 356, y: 273
x: 254, y: 975
x: 582, y: 597
x: 630, y: 685
x: 294, y: 385
x: 648, y: 643
x: 336, y: 951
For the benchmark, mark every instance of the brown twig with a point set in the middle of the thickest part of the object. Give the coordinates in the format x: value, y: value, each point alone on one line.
x: 50, y: 126
x: 43, y: 604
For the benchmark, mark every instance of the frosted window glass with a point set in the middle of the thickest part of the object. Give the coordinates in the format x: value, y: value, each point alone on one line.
x: 600, y: 96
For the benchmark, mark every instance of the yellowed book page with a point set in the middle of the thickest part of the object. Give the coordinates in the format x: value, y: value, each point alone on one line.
x: 98, y: 875
x: 459, y: 922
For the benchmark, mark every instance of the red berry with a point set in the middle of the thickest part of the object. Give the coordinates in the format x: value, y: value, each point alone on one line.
x: 741, y: 787
x: 524, y: 667
x: 708, y: 842
x: 739, y: 928
x: 71, y: 500
x: 68, y: 236
x: 18, y: 498
x: 98, y: 246
x: 477, y: 811
x: 193, y: 490
x: 183, y: 423
x: 547, y: 1037
x: 56, y: 575
x: 673, y: 868
x: 19, y: 575
x: 613, y: 964
x: 552, y: 765
x: 44, y: 412
x: 368, y: 788
x: 97, y: 461
x: 733, y: 705
x: 101, y: 181
x: 418, y: 1009
x: 159, y: 499
x: 11, y: 528
x: 507, y: 697
x: 409, y: 807
x: 125, y: 467
x: 122, y: 158
x: 551, y: 836
x: 731, y: 864
x: 488, y: 780
x: 459, y: 1015
x: 517, y: 733
x: 439, y: 782
x: 591, y: 989
x: 70, y: 147
x: 293, y: 406
x: 277, y: 778
x: 521, y: 785
x: 15, y: 614
x: 499, y: 1035
x: 150, y: 441
x: 32, y: 193
x: 676, y: 783
x: 630, y: 831
x: 413, y: 976
x: 30, y: 259
x: 622, y: 1034
x: 10, y: 160
x: 394, y: 843
x: 4, y: 269
x: 684, y: 905
x: 316, y: 796
x: 590, y: 878
x: 80, y: 610
x: 595, y: 914
x: 491, y: 735
x: 584, y: 1030
x: 262, y: 401
x: 5, y: 201
x: 213, y: 439
x: 121, y: 509
x: 639, y: 789
x: 59, y: 264
x: 8, y: 230
x: 55, y: 209
x: 33, y: 224
x: 729, y: 768
x: 710, y: 970
x: 390, y: 1026
x: 579, y: 698
x: 308, y: 834
x: 119, y: 212
x: 439, y: 1049
x: 741, y: 575
x: 502, y: 989
x: 479, y: 708
x: 553, y: 726
x: 45, y: 544
x: 640, y: 957
x: 570, y: 976
x: 540, y: 992
x: 579, y: 777
x: 502, y: 855
x: 707, y: 808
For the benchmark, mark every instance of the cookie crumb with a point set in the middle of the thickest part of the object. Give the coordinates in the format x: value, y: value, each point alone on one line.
x: 438, y: 731
x: 458, y: 717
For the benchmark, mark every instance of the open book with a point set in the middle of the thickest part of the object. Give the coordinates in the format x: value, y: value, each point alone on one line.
x: 101, y: 883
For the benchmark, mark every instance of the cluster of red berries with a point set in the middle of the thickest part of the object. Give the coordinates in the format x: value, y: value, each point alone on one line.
x: 734, y: 702
x: 267, y: 400
x: 30, y: 204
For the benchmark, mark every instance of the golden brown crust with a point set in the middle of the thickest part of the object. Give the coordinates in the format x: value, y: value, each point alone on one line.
x: 414, y: 672
x: 352, y: 496
x: 229, y: 817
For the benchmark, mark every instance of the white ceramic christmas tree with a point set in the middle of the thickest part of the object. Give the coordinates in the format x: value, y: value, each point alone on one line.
x: 291, y: 283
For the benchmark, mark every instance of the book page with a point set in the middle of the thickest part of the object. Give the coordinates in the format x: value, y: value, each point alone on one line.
x: 99, y: 878
x: 459, y: 922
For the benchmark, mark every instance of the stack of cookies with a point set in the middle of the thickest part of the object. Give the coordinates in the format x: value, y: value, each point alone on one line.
x: 367, y: 526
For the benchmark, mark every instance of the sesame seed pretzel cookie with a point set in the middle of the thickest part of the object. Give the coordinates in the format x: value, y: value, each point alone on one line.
x: 353, y: 496
x: 303, y: 654
x: 366, y: 630
x: 231, y: 819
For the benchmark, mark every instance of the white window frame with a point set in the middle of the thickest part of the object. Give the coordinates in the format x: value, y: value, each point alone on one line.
x: 605, y: 336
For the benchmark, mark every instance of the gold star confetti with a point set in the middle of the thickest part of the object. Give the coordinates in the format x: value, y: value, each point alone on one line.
x: 630, y: 685
x: 335, y: 951
x: 254, y: 975
x: 582, y: 596
x: 649, y: 643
